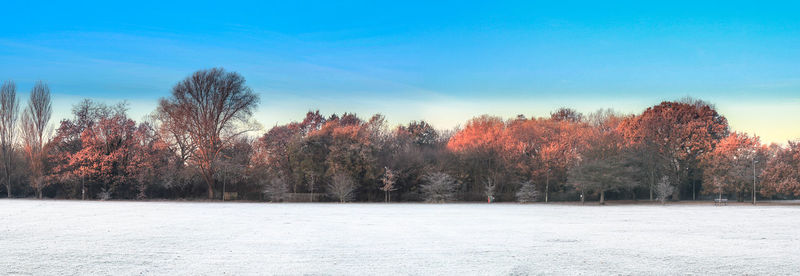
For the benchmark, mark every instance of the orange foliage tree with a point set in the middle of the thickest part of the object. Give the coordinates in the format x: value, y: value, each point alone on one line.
x: 605, y: 163
x: 680, y: 132
x: 545, y: 148
x: 493, y: 151
x: 782, y: 172
x: 480, y: 148
x: 729, y: 167
x: 311, y: 152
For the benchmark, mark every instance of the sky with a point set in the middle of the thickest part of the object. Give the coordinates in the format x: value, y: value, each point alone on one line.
x: 443, y: 62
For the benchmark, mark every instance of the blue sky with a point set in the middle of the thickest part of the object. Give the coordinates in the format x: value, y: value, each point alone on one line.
x: 444, y: 62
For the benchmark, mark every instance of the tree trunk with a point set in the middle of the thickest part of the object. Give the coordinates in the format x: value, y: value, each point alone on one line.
x: 677, y: 172
x: 7, y: 168
x: 208, y: 175
x: 652, y: 182
x: 546, y: 186
x: 676, y: 195
x: 602, y: 197
x: 210, y: 181
x: 311, y: 183
x: 223, y: 187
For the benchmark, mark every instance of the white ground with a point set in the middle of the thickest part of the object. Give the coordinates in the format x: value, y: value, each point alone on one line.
x: 122, y: 238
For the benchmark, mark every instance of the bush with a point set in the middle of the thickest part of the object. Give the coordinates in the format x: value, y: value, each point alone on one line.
x: 527, y: 192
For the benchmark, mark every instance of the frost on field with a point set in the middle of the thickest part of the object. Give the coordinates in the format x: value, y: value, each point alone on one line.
x: 175, y: 238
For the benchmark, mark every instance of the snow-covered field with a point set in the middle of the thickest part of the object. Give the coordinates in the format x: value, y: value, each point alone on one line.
x: 123, y: 238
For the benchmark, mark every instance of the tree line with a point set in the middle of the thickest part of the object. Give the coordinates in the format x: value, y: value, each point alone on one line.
x: 202, y: 141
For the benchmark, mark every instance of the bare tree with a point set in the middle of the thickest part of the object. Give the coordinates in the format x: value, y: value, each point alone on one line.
x: 174, y: 134
x: 35, y: 119
x: 566, y: 114
x: 9, y: 112
x: 664, y: 189
x: 342, y: 188
x: 388, y: 180
x: 439, y: 187
x: 490, y: 189
x: 104, y: 194
x: 527, y: 192
x: 213, y: 107
x: 276, y: 189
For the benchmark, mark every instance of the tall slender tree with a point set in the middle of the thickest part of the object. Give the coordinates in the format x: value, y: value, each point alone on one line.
x: 9, y: 112
x: 388, y: 180
x: 35, y: 120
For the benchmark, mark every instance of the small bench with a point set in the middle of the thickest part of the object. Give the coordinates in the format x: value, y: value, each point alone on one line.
x: 720, y: 201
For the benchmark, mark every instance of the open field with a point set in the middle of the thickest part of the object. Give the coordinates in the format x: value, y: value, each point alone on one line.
x: 74, y: 237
